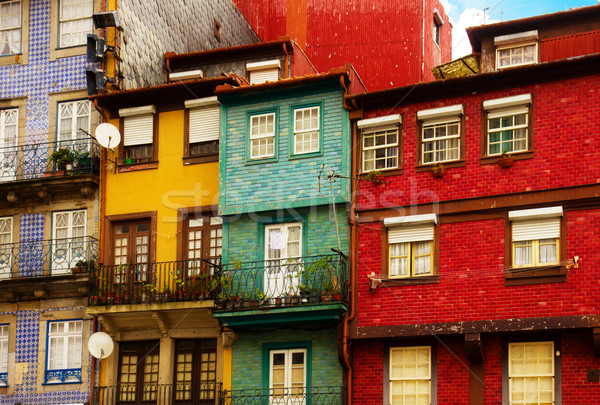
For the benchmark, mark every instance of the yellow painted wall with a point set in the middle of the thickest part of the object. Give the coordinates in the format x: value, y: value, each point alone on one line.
x: 166, y: 189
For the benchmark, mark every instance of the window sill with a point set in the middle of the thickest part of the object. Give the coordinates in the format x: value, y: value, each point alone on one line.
x: 305, y: 155
x: 535, y: 275
x: 13, y: 59
x: 192, y: 160
x: 489, y: 160
x: 451, y: 164
x: 123, y: 168
x: 62, y: 383
x: 386, y: 172
x: 399, y: 282
x: 258, y: 161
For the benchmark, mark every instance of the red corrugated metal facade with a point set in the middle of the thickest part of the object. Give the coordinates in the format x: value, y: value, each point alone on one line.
x: 389, y: 42
x: 570, y: 46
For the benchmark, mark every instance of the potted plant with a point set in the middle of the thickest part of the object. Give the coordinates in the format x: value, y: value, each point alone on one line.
x: 375, y: 176
x: 505, y: 160
x: 438, y: 169
x: 64, y: 158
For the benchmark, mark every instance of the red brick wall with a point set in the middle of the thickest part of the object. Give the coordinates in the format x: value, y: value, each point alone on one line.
x: 565, y: 116
x: 471, y: 270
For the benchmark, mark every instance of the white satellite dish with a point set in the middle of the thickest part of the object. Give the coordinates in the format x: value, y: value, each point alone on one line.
x: 108, y: 136
x: 100, y: 345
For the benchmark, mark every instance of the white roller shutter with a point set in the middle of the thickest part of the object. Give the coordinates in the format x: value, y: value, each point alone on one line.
x: 138, y: 130
x: 204, y: 124
x: 262, y: 76
x: 416, y: 233
x: 536, y: 229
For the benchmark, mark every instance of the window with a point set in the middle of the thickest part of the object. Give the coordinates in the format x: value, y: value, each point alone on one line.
x: 437, y: 27
x: 262, y: 136
x: 306, y: 130
x: 287, y: 377
x: 63, y: 364
x: 531, y: 373
x: 131, y: 246
x: 4, y: 331
x: 203, y: 127
x: 75, y: 22
x: 138, y: 372
x: 204, y: 241
x: 410, y: 375
x: 507, y: 126
x: 536, y: 237
x: 68, y: 240
x: 73, y: 116
x: 516, y: 49
x: 410, y: 245
x: 380, y: 143
x: 262, y: 72
x: 6, y: 247
x: 283, y: 249
x: 10, y: 27
x: 196, y: 371
x: 440, y: 134
x: 139, y: 134
x: 217, y: 30
x: 9, y: 136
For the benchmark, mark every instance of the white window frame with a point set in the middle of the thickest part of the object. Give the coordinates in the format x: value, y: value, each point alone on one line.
x: 69, y: 358
x: 257, y: 138
x: 264, y: 71
x: 408, y: 231
x: 304, y: 132
x: 4, y: 346
x: 289, y: 396
x: 138, y: 130
x: 524, y: 375
x: 281, y: 276
x: 380, y: 126
x: 508, y: 107
x: 6, y: 32
x: 513, y: 49
x: 535, y: 228
x: 436, y: 119
x: 393, y: 379
x: 70, y: 244
x: 6, y: 249
x: 438, y: 21
x: 9, y: 146
x: 66, y: 137
x: 63, y: 22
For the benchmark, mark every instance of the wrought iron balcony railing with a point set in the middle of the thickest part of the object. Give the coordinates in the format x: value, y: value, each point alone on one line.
x: 286, y: 396
x: 187, y: 280
x: 159, y: 394
x: 283, y: 282
x: 32, y: 160
x: 44, y: 258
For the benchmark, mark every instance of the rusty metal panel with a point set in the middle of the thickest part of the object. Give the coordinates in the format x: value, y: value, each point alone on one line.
x: 570, y: 46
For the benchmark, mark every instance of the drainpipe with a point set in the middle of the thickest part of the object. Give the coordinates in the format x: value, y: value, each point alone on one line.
x: 93, y: 365
x: 103, y: 160
x: 287, y: 60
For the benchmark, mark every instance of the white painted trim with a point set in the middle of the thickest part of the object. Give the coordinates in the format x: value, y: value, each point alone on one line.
x: 146, y: 109
x: 267, y: 64
x: 536, y: 213
x: 514, y: 38
x: 448, y: 111
x: 411, y: 220
x: 522, y: 99
x: 380, y: 121
x: 202, y: 102
x: 438, y: 16
x: 190, y: 74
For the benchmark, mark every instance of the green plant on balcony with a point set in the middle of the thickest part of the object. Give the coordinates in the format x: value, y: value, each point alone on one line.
x: 63, y: 157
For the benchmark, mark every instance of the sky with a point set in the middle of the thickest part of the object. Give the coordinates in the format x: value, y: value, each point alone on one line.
x: 469, y: 13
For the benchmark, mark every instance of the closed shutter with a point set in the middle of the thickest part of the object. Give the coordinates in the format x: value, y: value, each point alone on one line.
x: 416, y: 233
x: 262, y: 76
x: 138, y: 130
x: 204, y: 124
x: 536, y: 229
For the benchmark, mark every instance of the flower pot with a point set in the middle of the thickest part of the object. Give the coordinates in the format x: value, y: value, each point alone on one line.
x: 438, y: 173
x: 507, y: 162
x: 378, y: 179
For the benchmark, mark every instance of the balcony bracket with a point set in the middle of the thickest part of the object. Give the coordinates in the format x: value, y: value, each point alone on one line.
x: 474, y: 347
x: 162, y: 322
x: 12, y: 197
x: 43, y: 195
x: 107, y: 325
x: 40, y: 293
x: 597, y: 342
x: 228, y: 338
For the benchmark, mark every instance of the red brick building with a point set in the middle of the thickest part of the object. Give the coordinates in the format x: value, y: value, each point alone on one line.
x: 389, y: 43
x: 476, y: 278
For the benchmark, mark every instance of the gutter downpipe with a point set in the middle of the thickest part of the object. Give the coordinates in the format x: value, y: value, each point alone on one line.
x: 287, y: 60
x: 345, y: 357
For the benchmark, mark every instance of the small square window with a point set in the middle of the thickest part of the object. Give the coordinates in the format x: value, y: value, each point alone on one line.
x: 139, y: 135
x: 441, y: 133
x: 64, y: 351
x: 535, y: 236
x: 306, y: 130
x: 380, y: 144
x: 262, y: 136
x: 203, y: 128
x: 75, y: 22
x: 518, y: 55
x: 507, y: 125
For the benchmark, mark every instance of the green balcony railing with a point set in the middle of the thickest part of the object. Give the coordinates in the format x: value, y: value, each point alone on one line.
x: 286, y: 396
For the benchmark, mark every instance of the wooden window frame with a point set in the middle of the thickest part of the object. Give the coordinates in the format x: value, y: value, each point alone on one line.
x: 217, y: 30
x: 152, y: 164
x: 111, y: 220
x: 142, y: 351
x: 553, y: 273
x: 194, y: 159
x: 515, y: 46
x: 293, y: 133
x: 389, y: 171
x: 200, y: 346
x: 183, y: 216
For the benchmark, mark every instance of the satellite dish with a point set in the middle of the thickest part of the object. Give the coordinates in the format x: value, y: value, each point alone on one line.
x: 100, y: 345
x: 108, y: 136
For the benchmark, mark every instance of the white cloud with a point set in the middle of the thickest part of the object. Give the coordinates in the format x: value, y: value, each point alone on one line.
x: 469, y: 18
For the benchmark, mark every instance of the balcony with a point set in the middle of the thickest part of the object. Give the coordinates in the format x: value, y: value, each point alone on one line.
x: 32, y: 165
x: 286, y: 396
x: 151, y: 283
x: 309, y: 288
x: 158, y: 394
x: 33, y: 270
